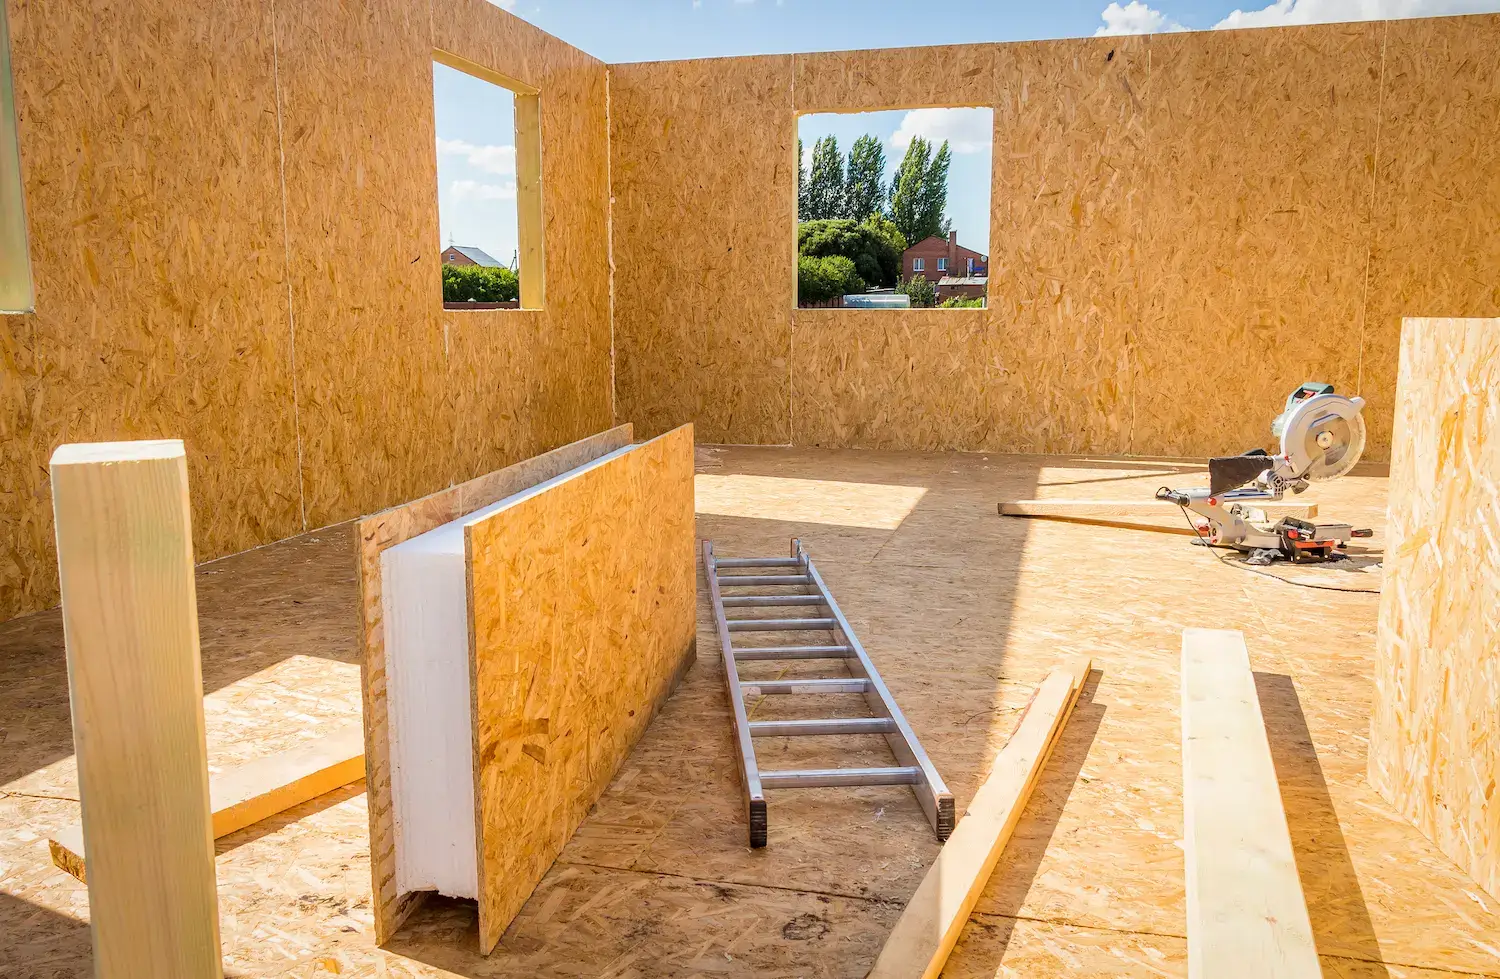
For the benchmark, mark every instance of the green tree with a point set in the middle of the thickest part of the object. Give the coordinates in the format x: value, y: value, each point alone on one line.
x: 825, y: 185
x: 864, y: 186
x: 919, y: 190
x: 922, y: 292
x: 479, y: 283
x: 874, y: 246
x: 801, y: 184
x: 822, y: 278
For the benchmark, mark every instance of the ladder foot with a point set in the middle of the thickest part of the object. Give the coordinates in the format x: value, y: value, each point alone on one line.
x: 945, y: 818
x: 757, y: 815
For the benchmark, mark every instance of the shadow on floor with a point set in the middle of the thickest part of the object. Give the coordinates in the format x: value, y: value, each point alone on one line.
x: 255, y: 609
x: 1335, y: 902
x: 1013, y: 877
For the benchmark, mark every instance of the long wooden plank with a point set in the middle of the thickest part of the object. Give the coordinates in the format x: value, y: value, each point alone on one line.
x: 1246, y: 916
x: 255, y: 791
x: 387, y: 529
x: 934, y: 918
x: 135, y: 684
x: 582, y: 620
x: 1136, y: 509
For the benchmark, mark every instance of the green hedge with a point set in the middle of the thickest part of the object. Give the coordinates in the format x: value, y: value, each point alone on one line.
x: 479, y: 284
x: 873, y: 245
x: 821, y: 279
x: 922, y: 292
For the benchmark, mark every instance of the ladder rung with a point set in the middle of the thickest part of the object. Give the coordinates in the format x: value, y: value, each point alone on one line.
x: 769, y: 601
x: 815, y: 778
x: 763, y: 579
x: 792, y: 652
x: 843, y: 725
x: 778, y: 625
x: 764, y: 688
x: 757, y: 562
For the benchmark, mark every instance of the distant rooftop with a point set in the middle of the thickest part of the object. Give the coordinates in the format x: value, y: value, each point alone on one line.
x: 476, y: 255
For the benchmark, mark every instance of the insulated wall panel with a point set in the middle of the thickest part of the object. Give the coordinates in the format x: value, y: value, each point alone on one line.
x: 376, y: 534
x: 582, y: 614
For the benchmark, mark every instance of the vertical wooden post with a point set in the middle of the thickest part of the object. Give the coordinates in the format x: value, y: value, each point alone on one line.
x: 130, y: 617
x: 529, y: 222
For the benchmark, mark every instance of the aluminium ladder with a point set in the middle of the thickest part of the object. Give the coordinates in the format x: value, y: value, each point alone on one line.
x: 797, y: 571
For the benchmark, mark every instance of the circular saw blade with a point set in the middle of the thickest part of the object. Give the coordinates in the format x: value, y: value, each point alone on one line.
x: 1325, y: 437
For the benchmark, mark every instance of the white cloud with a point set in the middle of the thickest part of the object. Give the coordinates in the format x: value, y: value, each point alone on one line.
x: 490, y: 159
x: 1332, y: 11
x: 1135, y: 18
x: 474, y: 190
x: 966, y: 130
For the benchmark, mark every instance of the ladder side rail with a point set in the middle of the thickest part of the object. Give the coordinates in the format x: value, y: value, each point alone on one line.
x: 931, y: 791
x: 755, y: 799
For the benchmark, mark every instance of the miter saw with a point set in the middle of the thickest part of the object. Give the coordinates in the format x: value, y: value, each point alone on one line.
x: 1322, y: 436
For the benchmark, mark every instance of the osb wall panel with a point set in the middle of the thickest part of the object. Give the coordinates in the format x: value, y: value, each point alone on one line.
x: 1437, y: 201
x: 387, y: 529
x: 582, y: 618
x: 1064, y: 295
x: 546, y: 372
x: 158, y: 262
x: 703, y: 167
x: 233, y: 222
x: 1255, y: 234
x: 910, y: 78
x: 916, y: 378
x: 363, y: 251
x: 1184, y: 227
x: 1435, y: 737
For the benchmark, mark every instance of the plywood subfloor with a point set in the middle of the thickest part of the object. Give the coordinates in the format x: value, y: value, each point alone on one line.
x: 963, y: 612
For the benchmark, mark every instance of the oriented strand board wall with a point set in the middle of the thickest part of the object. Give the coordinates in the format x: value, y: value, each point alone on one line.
x: 1435, y: 738
x: 157, y: 248
x: 704, y: 260
x: 1184, y: 227
x: 233, y: 222
x: 582, y: 617
x: 387, y: 529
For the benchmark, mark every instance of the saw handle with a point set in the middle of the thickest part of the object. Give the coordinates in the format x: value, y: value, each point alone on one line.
x: 1172, y: 496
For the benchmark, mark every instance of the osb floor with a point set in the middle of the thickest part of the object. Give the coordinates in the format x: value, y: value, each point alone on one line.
x: 963, y: 612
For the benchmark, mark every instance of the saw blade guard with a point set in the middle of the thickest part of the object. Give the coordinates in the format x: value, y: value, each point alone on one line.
x: 1324, y: 436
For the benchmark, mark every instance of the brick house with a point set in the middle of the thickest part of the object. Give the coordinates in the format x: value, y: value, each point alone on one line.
x: 938, y: 258
x: 468, y: 255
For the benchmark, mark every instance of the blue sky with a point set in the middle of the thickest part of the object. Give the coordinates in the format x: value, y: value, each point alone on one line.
x: 476, y: 119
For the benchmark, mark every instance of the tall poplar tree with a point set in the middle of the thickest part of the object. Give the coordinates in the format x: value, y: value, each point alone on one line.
x: 825, y: 185
x: 864, y: 187
x: 919, y: 191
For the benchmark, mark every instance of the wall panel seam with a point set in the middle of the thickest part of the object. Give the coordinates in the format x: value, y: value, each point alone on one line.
x: 1371, y: 231
x: 609, y: 233
x: 286, y: 257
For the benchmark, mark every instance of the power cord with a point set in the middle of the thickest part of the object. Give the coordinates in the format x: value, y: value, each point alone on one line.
x: 1265, y: 574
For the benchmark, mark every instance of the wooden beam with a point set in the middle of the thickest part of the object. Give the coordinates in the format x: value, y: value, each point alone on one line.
x: 1156, y: 516
x: 1135, y: 509
x: 529, y: 221
x: 1246, y: 916
x: 935, y: 916
x: 255, y: 791
x: 130, y: 621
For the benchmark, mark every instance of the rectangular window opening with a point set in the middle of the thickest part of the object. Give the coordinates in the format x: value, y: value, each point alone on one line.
x: 890, y: 205
x: 16, y: 295
x: 489, y: 169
